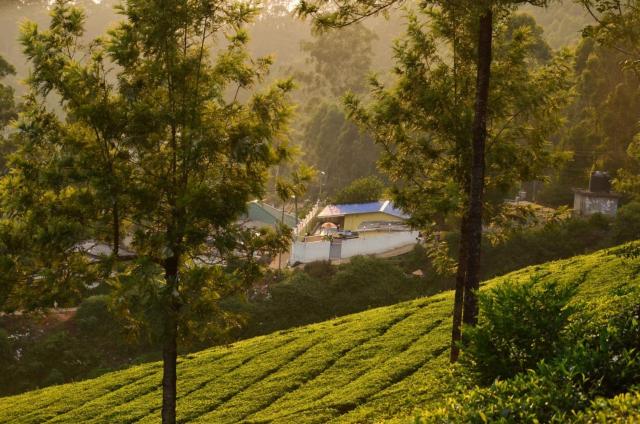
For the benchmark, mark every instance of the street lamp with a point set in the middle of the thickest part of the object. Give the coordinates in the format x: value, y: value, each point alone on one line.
x: 322, y: 174
x: 295, y: 202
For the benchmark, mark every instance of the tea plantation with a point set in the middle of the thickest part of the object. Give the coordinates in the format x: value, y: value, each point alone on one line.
x: 372, y: 366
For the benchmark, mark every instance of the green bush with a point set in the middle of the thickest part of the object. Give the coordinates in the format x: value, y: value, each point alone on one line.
x: 598, y: 361
x: 627, y: 223
x: 624, y: 408
x: 607, y: 353
x: 94, y: 317
x: 322, y: 291
x: 555, y: 240
x: 546, y: 395
x: 320, y: 269
x: 521, y: 324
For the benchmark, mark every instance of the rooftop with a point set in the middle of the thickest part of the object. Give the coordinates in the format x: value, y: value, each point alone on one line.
x: 384, y: 206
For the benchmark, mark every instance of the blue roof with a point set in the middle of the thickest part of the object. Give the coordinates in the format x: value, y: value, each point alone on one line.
x: 384, y: 206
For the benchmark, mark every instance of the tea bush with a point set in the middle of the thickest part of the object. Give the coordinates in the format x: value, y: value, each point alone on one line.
x: 521, y: 324
x: 377, y: 365
x: 599, y: 358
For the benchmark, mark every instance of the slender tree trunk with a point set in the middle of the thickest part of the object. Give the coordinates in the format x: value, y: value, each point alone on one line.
x: 116, y: 230
x: 472, y: 283
x: 463, y: 251
x: 170, y: 342
x: 281, y: 252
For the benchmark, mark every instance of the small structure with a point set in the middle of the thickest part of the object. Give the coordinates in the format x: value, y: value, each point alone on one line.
x: 260, y: 214
x: 363, y: 217
x: 598, y: 198
x: 344, y: 231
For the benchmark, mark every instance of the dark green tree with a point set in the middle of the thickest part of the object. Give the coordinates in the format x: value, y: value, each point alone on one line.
x: 365, y: 189
x: 617, y: 32
x: 8, y: 110
x: 468, y: 28
x: 600, y: 123
x: 340, y: 61
x: 158, y: 139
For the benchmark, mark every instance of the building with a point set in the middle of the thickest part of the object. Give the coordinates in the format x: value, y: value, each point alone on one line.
x: 343, y: 231
x: 260, y: 214
x: 364, y: 217
x: 598, y: 198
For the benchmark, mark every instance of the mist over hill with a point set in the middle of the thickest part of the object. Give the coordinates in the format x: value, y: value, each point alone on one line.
x: 276, y: 31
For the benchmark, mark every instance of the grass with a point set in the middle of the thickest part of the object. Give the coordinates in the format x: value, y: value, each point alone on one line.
x: 371, y: 366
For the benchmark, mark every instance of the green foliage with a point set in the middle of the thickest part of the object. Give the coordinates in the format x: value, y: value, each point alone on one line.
x: 335, y: 146
x: 150, y: 147
x: 423, y: 119
x: 341, y: 61
x: 546, y: 395
x: 375, y: 365
x: 624, y: 408
x: 94, y: 317
x: 562, y: 22
x: 362, y: 190
x: 520, y: 325
x: 627, y: 223
x: 554, y: 240
x: 628, y: 179
x: 602, y: 121
x: 599, y: 358
x: 322, y: 291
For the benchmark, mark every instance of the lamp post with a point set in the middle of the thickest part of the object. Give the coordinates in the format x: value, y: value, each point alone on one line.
x: 322, y: 175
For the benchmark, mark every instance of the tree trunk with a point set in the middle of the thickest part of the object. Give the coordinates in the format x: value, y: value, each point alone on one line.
x: 170, y: 342
x: 116, y: 230
x: 472, y: 283
x: 463, y: 251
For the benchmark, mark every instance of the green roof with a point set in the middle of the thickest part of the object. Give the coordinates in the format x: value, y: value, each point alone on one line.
x: 269, y: 215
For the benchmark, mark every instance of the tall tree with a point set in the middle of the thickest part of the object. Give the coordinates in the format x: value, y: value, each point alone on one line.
x: 477, y: 18
x: 617, y: 28
x: 8, y: 110
x: 158, y: 127
x: 340, y: 61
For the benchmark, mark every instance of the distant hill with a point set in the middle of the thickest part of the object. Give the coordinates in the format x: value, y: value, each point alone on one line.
x: 562, y: 22
x: 375, y: 365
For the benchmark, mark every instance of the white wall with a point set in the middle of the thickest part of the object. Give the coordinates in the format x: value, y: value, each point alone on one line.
x: 383, y: 242
x: 309, y: 252
x: 302, y: 252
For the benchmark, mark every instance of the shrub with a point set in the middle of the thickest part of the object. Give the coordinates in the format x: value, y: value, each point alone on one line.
x: 597, y: 362
x: 608, y: 352
x: 322, y: 291
x: 627, y: 223
x: 520, y: 325
x: 320, y: 269
x: 95, y: 319
x: 547, y: 394
x: 624, y: 408
x: 552, y: 241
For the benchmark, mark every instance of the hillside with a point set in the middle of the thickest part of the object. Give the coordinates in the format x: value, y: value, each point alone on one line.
x: 378, y: 364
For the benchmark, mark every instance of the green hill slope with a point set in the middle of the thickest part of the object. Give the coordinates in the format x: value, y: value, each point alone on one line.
x: 365, y: 367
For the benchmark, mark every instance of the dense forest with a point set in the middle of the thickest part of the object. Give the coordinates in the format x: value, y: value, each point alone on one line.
x: 325, y: 67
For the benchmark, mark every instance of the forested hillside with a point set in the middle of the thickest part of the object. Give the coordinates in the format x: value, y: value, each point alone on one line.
x: 562, y: 22
x: 329, y: 139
